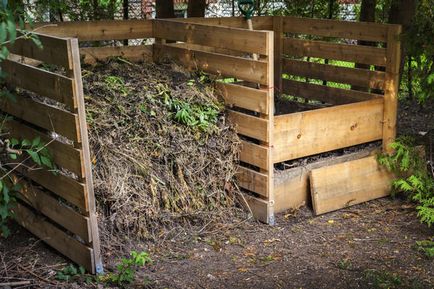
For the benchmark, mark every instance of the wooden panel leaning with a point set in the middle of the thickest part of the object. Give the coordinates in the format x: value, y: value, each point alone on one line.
x: 58, y: 208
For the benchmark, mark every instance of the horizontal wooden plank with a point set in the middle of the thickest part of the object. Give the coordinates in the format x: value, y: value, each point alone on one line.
x: 336, y: 51
x: 64, y: 155
x: 99, y: 29
x: 219, y: 64
x: 254, y: 154
x: 367, y: 31
x: 332, y: 95
x: 132, y: 53
x: 238, y: 39
x: 55, y: 210
x: 55, y: 50
x: 292, y: 187
x: 260, y: 209
x: 353, y: 76
x: 349, y: 183
x: 61, y: 185
x: 56, y: 238
x: 258, y: 22
x: 312, y: 132
x: 250, y: 126
x: 252, y: 181
x: 42, y: 82
x: 244, y: 97
x: 50, y: 118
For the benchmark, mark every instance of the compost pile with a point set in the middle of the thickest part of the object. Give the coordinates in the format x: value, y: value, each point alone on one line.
x: 162, y: 150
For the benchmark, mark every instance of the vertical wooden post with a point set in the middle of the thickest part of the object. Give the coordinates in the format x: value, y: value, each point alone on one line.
x: 393, y: 60
x: 270, y: 117
x: 278, y: 49
x: 75, y: 73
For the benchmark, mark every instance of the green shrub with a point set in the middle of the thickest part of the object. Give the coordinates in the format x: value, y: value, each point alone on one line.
x: 412, y: 177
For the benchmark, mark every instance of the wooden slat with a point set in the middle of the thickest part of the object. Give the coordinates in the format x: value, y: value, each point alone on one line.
x: 259, y: 208
x: 353, y: 76
x: 55, y: 237
x: 367, y: 31
x: 224, y: 65
x: 215, y: 36
x: 55, y: 210
x: 391, y: 87
x: 64, y: 155
x: 99, y: 30
x: 259, y: 23
x: 349, y: 183
x: 254, y: 154
x: 50, y: 118
x: 244, y: 97
x: 63, y: 186
x: 311, y: 132
x: 336, y: 51
x: 55, y: 50
x: 42, y: 82
x: 250, y: 126
x: 252, y: 181
x: 132, y: 53
x: 278, y: 49
x: 332, y: 95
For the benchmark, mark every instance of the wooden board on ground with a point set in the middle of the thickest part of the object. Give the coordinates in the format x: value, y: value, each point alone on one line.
x: 291, y: 186
x: 349, y: 183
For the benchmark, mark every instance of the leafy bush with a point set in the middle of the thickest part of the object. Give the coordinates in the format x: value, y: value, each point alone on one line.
x: 412, y: 177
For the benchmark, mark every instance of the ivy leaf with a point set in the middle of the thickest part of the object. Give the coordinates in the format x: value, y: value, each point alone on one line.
x: 13, y: 156
x: 46, y: 162
x: 36, y: 142
x: 12, y: 30
x: 35, y: 157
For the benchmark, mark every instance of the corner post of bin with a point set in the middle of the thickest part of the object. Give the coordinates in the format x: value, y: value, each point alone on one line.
x: 75, y: 74
x: 393, y: 56
x: 278, y: 50
x: 270, y: 117
x: 156, y: 47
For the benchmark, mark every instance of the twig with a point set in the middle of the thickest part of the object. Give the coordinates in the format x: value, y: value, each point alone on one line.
x: 17, y: 283
x: 36, y: 275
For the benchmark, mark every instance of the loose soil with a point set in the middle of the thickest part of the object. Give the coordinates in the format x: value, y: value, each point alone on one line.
x: 372, y: 245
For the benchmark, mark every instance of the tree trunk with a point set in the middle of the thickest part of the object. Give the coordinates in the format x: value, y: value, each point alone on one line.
x: 402, y: 12
x: 367, y: 14
x: 164, y: 9
x: 196, y: 8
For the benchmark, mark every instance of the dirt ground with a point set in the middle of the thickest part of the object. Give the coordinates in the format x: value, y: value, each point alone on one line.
x: 372, y: 245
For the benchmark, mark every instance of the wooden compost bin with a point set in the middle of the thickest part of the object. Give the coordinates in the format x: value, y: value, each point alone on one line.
x: 60, y: 209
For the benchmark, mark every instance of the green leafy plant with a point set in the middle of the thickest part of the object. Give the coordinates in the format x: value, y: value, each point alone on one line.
x: 197, y: 116
x: 382, y: 279
x: 426, y: 247
x: 412, y: 176
x: 116, y: 84
x: 70, y: 272
x: 126, y: 270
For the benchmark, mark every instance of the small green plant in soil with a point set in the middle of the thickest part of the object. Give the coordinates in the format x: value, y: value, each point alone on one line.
x: 413, y: 178
x: 126, y: 270
x: 426, y: 247
x: 382, y: 279
x: 116, y: 84
x: 70, y: 272
x: 202, y: 117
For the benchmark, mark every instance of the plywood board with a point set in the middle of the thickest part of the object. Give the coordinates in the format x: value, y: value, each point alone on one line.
x: 349, y: 183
